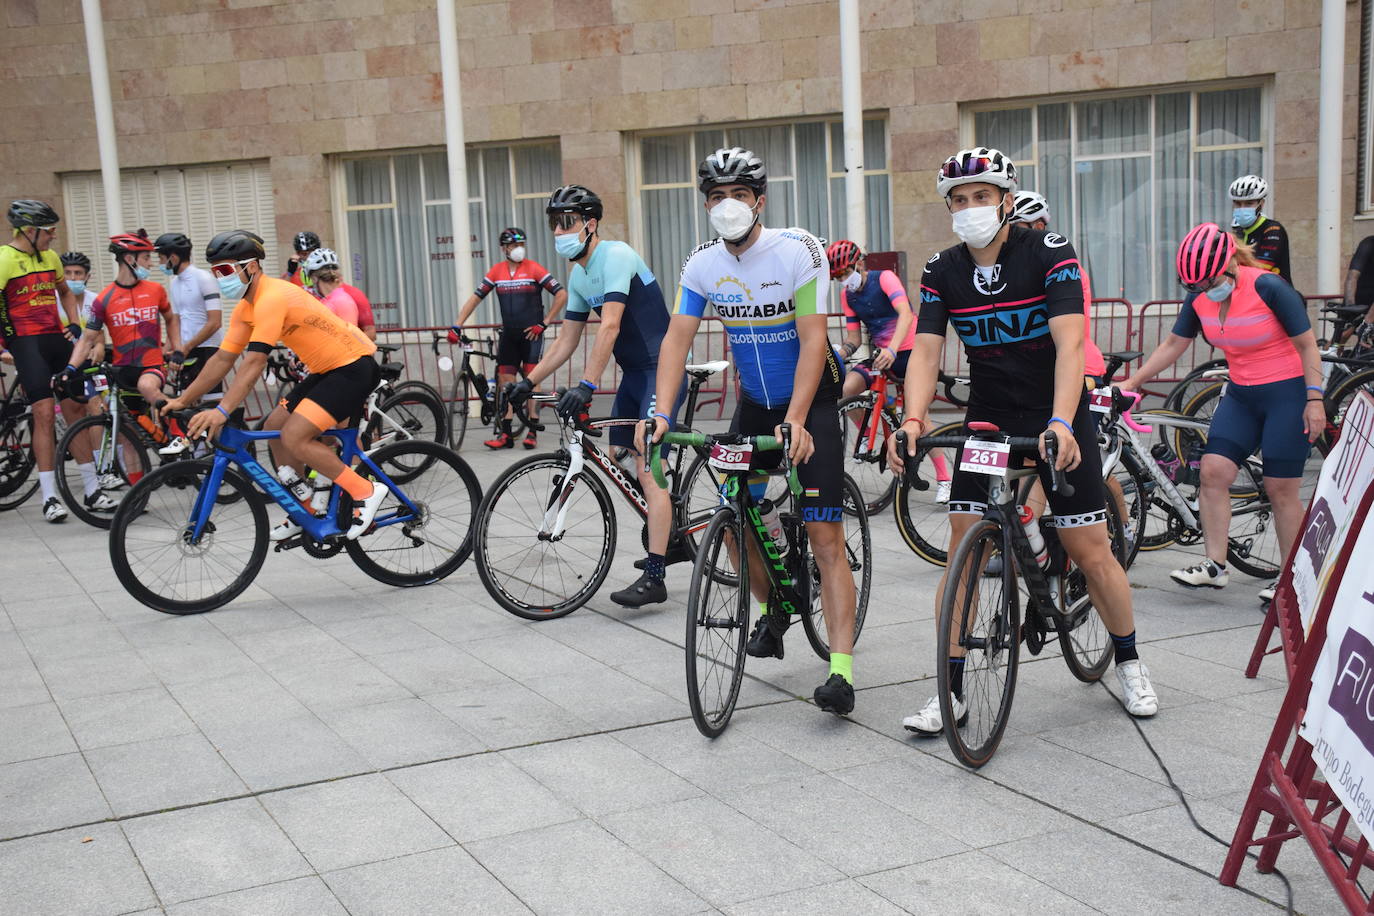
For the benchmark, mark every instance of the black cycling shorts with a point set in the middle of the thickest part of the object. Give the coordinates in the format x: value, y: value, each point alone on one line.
x: 37, y: 358
x: 190, y: 373
x: 340, y: 392
x: 127, y: 377
x: 514, y: 349
x: 822, y: 475
x: 969, y: 492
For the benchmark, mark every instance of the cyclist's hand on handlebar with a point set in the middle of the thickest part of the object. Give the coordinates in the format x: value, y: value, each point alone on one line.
x: 204, y: 423
x: 574, y: 401
x: 656, y: 427
x: 535, y: 331
x: 914, y: 427
x: 1067, y: 457
x: 802, y: 445
x: 455, y: 334
x: 162, y: 408
x: 517, y: 393
x: 884, y: 358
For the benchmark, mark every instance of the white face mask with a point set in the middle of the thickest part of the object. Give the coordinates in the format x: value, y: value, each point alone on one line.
x: 853, y: 281
x: 1222, y: 291
x: 976, y: 226
x: 517, y: 254
x: 732, y: 219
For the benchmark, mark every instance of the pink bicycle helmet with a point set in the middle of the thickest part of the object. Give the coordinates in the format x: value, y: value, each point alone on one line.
x: 1204, y: 254
x: 842, y: 255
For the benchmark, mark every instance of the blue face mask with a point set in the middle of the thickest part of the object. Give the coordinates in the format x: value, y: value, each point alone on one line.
x: 78, y: 287
x: 140, y: 273
x: 569, y: 245
x: 231, y: 287
x: 1244, y: 217
x: 167, y: 269
x: 1222, y: 291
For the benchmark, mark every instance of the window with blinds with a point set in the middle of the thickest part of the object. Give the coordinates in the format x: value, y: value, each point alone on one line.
x: 198, y: 200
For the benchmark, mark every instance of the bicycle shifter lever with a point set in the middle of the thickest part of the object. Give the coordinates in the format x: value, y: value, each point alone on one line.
x: 911, y: 470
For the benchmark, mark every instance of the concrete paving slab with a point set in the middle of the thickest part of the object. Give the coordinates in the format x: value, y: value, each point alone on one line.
x: 89, y: 870
x: 48, y: 794
x: 970, y: 884
x: 33, y: 731
x: 599, y: 775
x: 400, y: 732
x: 848, y: 897
x: 482, y: 796
x: 122, y: 718
x: 162, y: 773
x: 285, y: 752
x: 298, y: 897
x: 437, y: 883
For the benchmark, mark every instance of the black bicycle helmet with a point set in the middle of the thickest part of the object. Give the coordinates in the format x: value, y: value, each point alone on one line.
x: 573, y: 198
x: 512, y: 236
x: 173, y: 243
x: 734, y: 165
x: 76, y: 259
x: 25, y: 213
x: 305, y: 241
x: 235, y: 245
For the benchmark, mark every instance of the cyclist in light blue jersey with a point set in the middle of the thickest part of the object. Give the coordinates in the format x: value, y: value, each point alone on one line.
x: 610, y: 278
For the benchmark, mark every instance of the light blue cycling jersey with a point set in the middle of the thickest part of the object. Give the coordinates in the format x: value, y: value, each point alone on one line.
x: 616, y: 273
x: 758, y: 296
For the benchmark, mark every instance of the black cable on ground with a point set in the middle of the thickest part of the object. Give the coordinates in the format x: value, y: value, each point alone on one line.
x: 1188, y: 809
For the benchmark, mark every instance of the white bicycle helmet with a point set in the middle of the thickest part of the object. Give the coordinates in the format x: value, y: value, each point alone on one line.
x: 321, y: 258
x: 1030, y: 207
x: 1249, y: 187
x: 979, y: 164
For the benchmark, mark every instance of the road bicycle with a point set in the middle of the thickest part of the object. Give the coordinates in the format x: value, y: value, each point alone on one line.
x: 720, y: 602
x: 980, y: 617
x: 192, y: 535
x: 468, y: 384
x: 546, y: 530
x: 870, y: 417
x: 18, y: 478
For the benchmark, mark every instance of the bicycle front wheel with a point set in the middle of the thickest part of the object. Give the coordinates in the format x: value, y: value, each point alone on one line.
x: 717, y: 623
x: 696, y: 500
x: 1085, y: 641
x: 18, y: 479
x: 458, y: 408
x: 980, y: 622
x: 408, y: 547
x: 120, y: 454
x: 540, y: 576
x: 923, y: 515
x: 154, y: 555
x: 858, y: 551
x: 1253, y: 539
x: 863, y: 451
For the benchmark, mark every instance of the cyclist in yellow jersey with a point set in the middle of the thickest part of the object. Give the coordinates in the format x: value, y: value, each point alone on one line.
x: 269, y: 311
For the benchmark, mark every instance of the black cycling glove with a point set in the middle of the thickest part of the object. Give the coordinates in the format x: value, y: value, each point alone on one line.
x: 575, y: 400
x: 519, y: 392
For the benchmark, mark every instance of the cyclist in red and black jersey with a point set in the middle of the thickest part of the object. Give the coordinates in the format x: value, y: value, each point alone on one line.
x: 520, y: 283
x: 1015, y: 298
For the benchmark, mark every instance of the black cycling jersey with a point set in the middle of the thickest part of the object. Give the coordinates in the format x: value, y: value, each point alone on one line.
x: 1363, y: 261
x: 1003, y: 315
x: 1270, y: 241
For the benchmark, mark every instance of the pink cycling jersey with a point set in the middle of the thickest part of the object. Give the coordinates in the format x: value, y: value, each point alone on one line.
x: 1093, y: 363
x: 341, y: 303
x: 1264, y: 313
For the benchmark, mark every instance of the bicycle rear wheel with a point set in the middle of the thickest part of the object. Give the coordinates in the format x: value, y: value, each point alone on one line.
x: 415, y: 414
x: 406, y: 548
x: 858, y: 548
x: 980, y: 621
x: 458, y: 408
x: 150, y: 547
x: 122, y: 455
x: 697, y: 498
x: 1086, y: 642
x: 18, y: 478
x: 717, y: 623
x: 922, y: 518
x: 863, y: 459
x: 540, y: 578
x: 1191, y: 384
x: 1253, y: 539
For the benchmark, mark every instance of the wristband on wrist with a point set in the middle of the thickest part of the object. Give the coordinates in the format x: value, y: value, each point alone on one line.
x: 588, y: 385
x: 1315, y: 400
x: 1317, y: 388
x: 915, y: 420
x: 665, y: 418
x: 1067, y: 424
x: 221, y: 409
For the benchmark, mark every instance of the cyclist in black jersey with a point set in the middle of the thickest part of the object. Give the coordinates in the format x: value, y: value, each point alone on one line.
x: 1015, y: 298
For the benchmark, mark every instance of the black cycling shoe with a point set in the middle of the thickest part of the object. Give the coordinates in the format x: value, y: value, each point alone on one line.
x: 836, y: 695
x: 644, y: 590
x: 763, y: 642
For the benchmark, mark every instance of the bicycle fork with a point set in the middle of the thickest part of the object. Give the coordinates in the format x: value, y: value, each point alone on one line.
x: 556, y: 512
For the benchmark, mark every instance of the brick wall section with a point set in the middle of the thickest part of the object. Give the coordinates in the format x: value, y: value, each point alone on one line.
x: 209, y: 80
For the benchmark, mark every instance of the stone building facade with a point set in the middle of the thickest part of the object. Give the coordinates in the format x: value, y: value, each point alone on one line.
x: 300, y: 84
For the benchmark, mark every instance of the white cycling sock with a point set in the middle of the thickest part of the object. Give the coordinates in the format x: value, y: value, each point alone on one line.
x: 89, y: 478
x: 47, y: 482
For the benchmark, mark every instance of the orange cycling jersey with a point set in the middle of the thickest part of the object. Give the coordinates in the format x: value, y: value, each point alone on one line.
x: 278, y: 311
x: 131, y: 314
x: 28, y: 292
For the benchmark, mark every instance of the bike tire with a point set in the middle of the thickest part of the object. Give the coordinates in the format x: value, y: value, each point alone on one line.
x: 409, y: 416
x: 717, y: 628
x: 431, y: 396
x: 428, y: 548
x: 1338, y: 403
x: 922, y: 522
x: 1137, y: 489
x: 515, y: 566
x: 1252, y: 541
x: 866, y: 463
x: 973, y: 744
x: 18, y: 470
x: 858, y: 543
x: 458, y: 409
x: 1190, y: 384
x: 695, y: 500
x: 1201, y: 407
x: 123, y: 454
x: 1087, y: 644
x: 152, y: 521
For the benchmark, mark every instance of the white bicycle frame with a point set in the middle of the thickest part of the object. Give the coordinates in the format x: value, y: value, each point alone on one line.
x: 1111, y: 457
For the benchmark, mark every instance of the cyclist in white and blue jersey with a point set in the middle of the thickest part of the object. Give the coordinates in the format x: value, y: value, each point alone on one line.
x: 610, y: 278
x: 769, y: 288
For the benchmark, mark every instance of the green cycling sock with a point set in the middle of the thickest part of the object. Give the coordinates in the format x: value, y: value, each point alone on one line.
x: 763, y: 608
x: 843, y: 665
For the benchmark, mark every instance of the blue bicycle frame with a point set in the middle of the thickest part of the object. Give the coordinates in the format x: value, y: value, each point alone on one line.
x: 232, y: 447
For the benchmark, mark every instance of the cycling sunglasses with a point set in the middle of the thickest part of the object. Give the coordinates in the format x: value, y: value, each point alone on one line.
x: 229, y: 267
x: 1203, y: 285
x: 974, y: 165
x: 565, y: 220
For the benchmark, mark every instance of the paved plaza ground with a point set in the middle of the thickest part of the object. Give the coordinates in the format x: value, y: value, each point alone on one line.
x: 327, y: 744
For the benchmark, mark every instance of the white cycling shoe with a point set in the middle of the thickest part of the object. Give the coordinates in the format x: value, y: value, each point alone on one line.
x: 1203, y: 575
x: 942, y: 491
x: 1136, y: 689
x: 929, y: 722
x: 367, y: 511
x: 110, y: 482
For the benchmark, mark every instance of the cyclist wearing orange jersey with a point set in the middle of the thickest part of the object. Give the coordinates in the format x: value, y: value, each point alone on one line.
x: 343, y: 373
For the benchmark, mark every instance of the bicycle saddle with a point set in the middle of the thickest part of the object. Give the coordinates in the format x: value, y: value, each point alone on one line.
x: 1346, y: 310
x: 706, y: 370
x: 980, y: 426
x: 1125, y: 356
x: 392, y: 371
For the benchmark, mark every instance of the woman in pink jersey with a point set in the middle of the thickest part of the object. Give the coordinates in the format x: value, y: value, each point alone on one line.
x: 329, y: 285
x: 1273, y: 401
